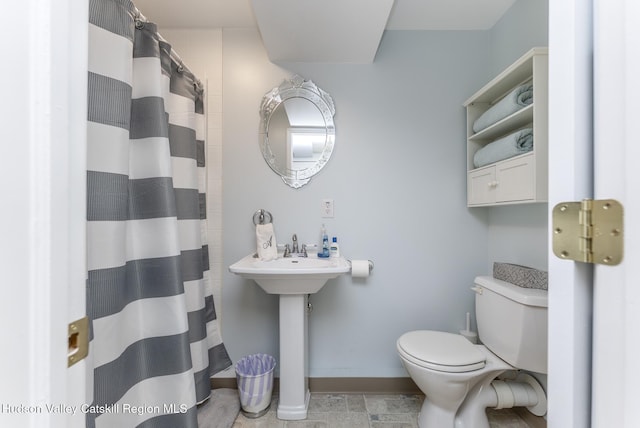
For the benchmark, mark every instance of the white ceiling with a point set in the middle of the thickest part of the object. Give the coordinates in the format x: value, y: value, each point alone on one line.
x: 321, y: 31
x: 340, y: 31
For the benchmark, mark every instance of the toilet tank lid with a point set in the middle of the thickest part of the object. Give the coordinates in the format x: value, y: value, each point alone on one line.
x: 525, y: 296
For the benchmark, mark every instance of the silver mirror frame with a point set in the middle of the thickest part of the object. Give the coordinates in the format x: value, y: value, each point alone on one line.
x: 296, y: 87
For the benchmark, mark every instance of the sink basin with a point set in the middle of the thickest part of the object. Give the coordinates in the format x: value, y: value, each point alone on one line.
x: 290, y: 275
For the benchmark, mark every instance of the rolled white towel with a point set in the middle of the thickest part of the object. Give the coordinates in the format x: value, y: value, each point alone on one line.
x: 266, y: 242
x: 512, y: 145
x: 518, y: 98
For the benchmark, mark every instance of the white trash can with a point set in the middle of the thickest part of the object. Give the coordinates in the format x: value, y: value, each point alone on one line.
x: 254, y: 374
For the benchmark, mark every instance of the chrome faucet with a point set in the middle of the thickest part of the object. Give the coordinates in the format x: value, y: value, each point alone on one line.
x: 293, y: 250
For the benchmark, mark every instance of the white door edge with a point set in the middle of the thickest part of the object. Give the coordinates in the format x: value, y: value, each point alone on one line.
x: 617, y: 289
x: 570, y: 179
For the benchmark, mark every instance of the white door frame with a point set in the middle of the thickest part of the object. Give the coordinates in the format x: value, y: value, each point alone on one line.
x: 616, y: 338
x: 570, y: 179
x: 42, y: 174
x: 594, y: 382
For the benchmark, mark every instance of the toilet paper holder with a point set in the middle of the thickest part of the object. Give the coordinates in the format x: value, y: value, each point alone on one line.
x: 370, y: 264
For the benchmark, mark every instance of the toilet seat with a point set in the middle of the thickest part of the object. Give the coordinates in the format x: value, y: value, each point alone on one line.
x: 441, y: 351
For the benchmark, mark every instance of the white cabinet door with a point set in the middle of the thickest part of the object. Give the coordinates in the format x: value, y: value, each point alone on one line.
x: 507, y: 181
x: 515, y: 179
x: 481, y: 186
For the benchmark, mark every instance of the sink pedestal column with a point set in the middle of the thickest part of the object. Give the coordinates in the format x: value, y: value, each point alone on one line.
x: 294, y: 381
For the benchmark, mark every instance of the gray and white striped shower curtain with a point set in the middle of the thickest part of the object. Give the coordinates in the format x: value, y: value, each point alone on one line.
x: 155, y: 338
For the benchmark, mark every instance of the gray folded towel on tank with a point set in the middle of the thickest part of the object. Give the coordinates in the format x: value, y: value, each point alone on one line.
x: 522, y: 276
x: 520, y: 97
x: 515, y: 144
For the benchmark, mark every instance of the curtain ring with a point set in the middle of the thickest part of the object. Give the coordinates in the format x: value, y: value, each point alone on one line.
x: 180, y: 68
x: 139, y: 23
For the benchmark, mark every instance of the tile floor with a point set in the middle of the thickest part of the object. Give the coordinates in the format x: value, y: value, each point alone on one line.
x: 364, y: 411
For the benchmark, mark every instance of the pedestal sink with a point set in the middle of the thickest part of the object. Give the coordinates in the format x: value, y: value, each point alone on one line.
x: 292, y: 278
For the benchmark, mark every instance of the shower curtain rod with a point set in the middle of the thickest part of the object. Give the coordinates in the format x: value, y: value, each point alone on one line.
x: 138, y: 16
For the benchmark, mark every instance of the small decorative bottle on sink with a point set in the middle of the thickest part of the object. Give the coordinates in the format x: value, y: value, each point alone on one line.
x: 334, y: 249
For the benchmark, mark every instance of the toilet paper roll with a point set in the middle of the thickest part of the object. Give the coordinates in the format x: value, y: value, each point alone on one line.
x: 359, y: 268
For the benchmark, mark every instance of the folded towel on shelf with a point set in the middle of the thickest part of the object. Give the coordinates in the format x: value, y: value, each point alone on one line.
x: 520, y: 97
x: 504, y: 148
x: 266, y: 242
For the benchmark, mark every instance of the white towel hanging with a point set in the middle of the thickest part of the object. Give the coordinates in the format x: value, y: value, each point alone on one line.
x: 266, y: 242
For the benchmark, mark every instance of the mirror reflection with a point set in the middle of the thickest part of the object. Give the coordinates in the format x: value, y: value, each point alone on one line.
x: 297, y: 131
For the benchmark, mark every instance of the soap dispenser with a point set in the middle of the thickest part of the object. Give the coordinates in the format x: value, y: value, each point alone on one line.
x: 325, y: 243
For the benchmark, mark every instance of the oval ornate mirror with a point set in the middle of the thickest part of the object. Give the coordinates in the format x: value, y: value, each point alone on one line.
x: 297, y: 133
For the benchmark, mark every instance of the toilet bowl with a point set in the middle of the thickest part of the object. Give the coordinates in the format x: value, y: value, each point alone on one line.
x: 445, y: 366
x: 458, y: 378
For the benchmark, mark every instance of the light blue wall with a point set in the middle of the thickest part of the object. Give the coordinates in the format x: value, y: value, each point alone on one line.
x: 523, y: 26
x: 518, y: 234
x: 397, y: 177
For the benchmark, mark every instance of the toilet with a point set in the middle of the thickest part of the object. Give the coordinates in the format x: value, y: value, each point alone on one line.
x: 459, y: 378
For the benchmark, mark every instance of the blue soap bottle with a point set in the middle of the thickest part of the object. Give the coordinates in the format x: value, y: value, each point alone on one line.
x: 325, y: 243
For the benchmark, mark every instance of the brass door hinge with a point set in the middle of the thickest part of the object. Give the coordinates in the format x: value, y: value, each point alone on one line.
x: 78, y: 337
x: 590, y: 231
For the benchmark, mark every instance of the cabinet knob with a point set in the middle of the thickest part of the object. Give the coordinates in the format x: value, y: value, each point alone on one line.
x: 492, y: 184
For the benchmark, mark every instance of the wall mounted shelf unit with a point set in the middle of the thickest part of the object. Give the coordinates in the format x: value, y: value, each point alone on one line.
x: 523, y: 178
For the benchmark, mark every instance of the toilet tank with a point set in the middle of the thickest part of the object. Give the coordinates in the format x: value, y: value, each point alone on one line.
x: 512, y: 322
